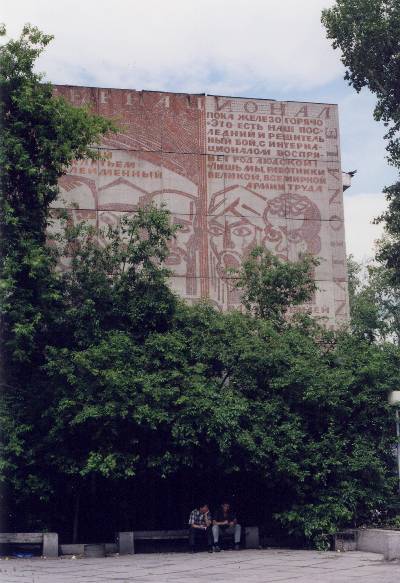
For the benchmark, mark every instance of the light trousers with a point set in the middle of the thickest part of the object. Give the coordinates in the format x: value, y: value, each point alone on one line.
x: 235, y: 531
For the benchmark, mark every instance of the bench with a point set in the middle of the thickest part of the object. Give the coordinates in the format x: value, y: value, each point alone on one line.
x: 48, y: 540
x: 160, y: 534
x: 370, y: 540
x: 126, y: 540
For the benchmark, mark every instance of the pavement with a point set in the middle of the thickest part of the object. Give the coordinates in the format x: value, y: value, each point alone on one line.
x: 247, y: 566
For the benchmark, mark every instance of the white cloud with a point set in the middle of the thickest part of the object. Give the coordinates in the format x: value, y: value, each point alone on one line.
x: 185, y: 45
x: 361, y: 234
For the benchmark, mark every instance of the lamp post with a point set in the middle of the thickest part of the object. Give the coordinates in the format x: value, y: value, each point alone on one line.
x: 394, y: 399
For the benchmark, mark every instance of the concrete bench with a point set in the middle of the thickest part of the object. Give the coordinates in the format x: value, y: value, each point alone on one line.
x: 370, y: 540
x: 386, y: 542
x: 160, y: 534
x: 48, y: 540
x: 126, y: 540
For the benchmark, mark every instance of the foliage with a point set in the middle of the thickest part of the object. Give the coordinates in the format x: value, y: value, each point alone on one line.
x: 368, y: 34
x: 389, y: 249
x: 270, y: 286
x: 40, y: 136
x: 351, y: 466
x: 364, y: 309
x: 99, y: 364
x: 374, y: 302
x: 395, y: 522
x: 231, y: 394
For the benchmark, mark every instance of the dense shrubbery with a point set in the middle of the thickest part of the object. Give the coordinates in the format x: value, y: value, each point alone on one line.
x: 135, y: 386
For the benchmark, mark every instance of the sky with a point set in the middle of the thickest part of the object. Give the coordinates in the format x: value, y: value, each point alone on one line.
x: 249, y: 48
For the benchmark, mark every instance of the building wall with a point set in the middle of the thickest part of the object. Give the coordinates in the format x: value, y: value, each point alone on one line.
x: 234, y: 172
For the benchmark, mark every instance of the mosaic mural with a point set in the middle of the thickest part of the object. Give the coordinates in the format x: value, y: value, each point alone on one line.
x: 234, y: 172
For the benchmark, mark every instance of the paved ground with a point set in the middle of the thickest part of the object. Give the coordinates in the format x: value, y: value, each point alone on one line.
x: 264, y: 566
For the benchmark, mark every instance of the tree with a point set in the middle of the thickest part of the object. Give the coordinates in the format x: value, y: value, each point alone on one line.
x: 142, y: 393
x: 366, y: 320
x: 40, y: 136
x: 304, y: 423
x: 99, y: 388
x: 374, y: 302
x: 368, y: 34
x: 270, y: 286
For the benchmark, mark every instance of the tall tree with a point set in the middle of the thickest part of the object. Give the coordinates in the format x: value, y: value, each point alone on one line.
x: 368, y: 34
x: 40, y: 136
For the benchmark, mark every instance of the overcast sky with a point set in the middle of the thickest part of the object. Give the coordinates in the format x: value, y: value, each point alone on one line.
x: 255, y: 48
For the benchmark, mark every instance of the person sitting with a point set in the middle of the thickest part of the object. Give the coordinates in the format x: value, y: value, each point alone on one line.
x: 225, y: 522
x: 200, y: 527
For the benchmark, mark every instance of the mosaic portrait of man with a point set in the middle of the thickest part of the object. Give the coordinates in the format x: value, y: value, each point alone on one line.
x: 235, y: 227
x: 184, y: 247
x: 241, y: 219
x: 292, y: 226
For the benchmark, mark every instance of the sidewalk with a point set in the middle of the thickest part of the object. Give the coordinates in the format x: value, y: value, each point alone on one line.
x: 263, y: 566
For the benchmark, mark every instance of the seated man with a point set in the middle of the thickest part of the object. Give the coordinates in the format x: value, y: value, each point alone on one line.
x: 200, y: 527
x: 226, y: 521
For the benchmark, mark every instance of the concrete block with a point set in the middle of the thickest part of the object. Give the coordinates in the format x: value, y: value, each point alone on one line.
x: 50, y: 544
x: 126, y: 543
x: 79, y: 549
x: 111, y: 548
x: 372, y: 540
x: 73, y: 549
x: 392, y: 550
x: 384, y: 542
x: 95, y: 550
x: 252, y: 537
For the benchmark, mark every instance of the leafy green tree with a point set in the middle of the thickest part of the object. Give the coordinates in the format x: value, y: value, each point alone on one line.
x: 270, y: 286
x: 304, y: 416
x: 101, y: 392
x: 309, y: 419
x: 138, y: 388
x: 349, y: 473
x: 367, y: 32
x: 374, y: 302
x: 388, y: 301
x: 40, y: 136
x: 366, y: 320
